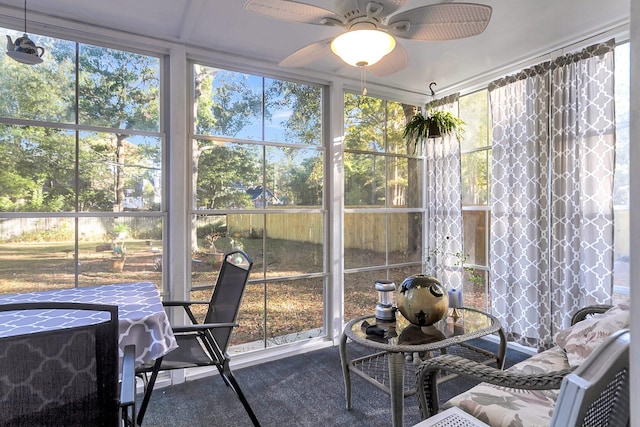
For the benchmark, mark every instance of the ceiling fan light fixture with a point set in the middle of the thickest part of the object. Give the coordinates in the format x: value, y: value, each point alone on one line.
x: 362, y: 48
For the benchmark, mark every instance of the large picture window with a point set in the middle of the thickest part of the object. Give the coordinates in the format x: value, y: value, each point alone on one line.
x: 81, y: 168
x: 258, y: 179
x: 383, y: 199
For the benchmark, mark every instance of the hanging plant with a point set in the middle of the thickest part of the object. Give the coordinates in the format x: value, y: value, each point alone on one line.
x: 436, y: 124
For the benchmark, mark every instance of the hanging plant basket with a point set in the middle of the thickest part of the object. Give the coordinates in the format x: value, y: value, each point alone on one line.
x: 435, y: 125
x: 434, y: 130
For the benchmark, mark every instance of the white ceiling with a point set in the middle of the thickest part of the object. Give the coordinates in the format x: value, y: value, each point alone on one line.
x: 518, y: 30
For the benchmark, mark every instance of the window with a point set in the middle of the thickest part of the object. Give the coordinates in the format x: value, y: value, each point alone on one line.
x: 81, y: 175
x: 258, y: 179
x: 622, y: 182
x: 383, y: 200
x: 476, y: 177
x: 476, y: 181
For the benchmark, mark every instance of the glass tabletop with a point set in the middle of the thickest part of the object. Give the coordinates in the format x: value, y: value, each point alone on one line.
x: 401, y: 335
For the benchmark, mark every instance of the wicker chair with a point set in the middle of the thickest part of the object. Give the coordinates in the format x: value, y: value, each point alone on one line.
x: 516, y: 379
x: 597, y: 393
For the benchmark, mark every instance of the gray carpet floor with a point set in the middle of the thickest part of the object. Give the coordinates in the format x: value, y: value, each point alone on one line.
x: 303, y: 390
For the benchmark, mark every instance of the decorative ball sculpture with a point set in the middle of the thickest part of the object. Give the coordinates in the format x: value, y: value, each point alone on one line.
x: 422, y: 300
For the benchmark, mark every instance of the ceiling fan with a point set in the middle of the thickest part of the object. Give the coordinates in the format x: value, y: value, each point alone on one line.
x: 372, y: 27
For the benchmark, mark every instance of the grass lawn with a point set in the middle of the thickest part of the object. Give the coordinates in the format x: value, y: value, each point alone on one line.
x: 274, y: 312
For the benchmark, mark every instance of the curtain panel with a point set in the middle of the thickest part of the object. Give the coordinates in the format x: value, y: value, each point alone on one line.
x: 552, y: 189
x: 444, y: 202
x: 519, y: 280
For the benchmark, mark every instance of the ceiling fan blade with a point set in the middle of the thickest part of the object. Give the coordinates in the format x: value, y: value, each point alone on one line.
x: 307, y: 54
x: 444, y: 21
x: 395, y: 61
x: 293, y: 11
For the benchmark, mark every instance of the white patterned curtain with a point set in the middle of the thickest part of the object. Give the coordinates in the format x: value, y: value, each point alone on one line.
x: 444, y: 201
x: 552, y: 187
x: 583, y: 163
x: 519, y: 210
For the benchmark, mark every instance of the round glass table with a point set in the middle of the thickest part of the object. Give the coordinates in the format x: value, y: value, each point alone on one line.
x: 399, y: 347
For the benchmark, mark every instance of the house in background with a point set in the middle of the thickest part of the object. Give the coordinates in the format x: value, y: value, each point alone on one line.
x: 262, y: 199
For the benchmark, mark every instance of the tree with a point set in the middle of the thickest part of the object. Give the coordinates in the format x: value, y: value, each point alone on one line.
x: 304, y: 123
x: 35, y: 169
x: 376, y: 126
x: 118, y: 89
x: 306, y: 182
x: 414, y: 175
x: 222, y: 109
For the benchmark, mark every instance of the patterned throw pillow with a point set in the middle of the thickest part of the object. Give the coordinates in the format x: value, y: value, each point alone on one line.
x: 581, y: 339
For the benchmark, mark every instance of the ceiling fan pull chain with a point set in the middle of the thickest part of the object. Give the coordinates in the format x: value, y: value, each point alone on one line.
x: 363, y: 80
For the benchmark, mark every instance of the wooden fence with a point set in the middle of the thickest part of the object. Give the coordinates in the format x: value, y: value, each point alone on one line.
x: 61, y: 229
x: 362, y: 230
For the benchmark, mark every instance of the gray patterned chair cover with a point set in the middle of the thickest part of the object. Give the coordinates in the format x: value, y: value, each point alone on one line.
x: 63, y: 377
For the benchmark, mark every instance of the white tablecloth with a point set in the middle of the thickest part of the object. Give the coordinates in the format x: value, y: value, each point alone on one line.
x: 142, y: 319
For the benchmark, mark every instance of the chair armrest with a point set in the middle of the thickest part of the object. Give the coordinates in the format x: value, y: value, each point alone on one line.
x: 128, y: 384
x: 203, y: 327
x: 182, y: 303
x: 426, y: 378
x: 585, y: 312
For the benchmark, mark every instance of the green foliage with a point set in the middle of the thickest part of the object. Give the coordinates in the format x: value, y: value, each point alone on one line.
x: 225, y: 102
x: 365, y: 119
x: 119, y: 233
x: 57, y: 233
x: 231, y: 103
x: 373, y: 129
x: 37, y: 164
x: 118, y: 89
x: 120, y: 227
x: 304, y: 124
x: 306, y: 182
x: 419, y: 128
x: 149, y: 233
x: 217, y: 227
x: 219, y: 168
x: 441, y: 252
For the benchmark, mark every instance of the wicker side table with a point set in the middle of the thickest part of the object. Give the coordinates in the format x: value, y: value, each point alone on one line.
x: 396, y: 341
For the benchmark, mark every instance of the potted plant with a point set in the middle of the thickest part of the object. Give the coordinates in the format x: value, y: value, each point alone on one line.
x: 218, y: 255
x: 119, y: 234
x: 459, y: 260
x: 436, y: 124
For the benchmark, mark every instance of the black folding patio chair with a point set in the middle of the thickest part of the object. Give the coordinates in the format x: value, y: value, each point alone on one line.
x: 64, y: 375
x: 205, y: 344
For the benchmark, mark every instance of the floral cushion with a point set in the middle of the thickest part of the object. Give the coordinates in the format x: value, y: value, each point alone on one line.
x: 509, y: 407
x: 581, y: 339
